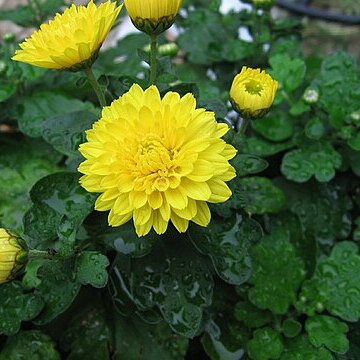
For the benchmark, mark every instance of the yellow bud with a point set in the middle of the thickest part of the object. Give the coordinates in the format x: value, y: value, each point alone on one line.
x: 252, y: 92
x: 152, y: 16
x: 13, y: 255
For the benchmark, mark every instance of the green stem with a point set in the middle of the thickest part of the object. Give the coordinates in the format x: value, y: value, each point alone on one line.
x: 244, y: 124
x: 153, y: 51
x: 35, y: 254
x: 96, y: 86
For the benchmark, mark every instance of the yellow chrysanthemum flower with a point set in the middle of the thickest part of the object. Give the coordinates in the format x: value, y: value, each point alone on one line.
x: 252, y: 92
x: 152, y: 16
x: 13, y: 255
x: 72, y: 39
x: 156, y: 160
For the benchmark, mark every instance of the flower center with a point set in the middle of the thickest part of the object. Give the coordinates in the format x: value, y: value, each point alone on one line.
x: 155, y: 164
x: 253, y: 87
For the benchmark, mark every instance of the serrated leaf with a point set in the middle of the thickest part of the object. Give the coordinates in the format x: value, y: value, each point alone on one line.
x: 31, y: 345
x: 289, y: 72
x: 224, y: 340
x: 319, y: 160
x: 228, y: 243
x: 136, y: 340
x: 60, y: 205
x: 174, y: 279
x: 314, y: 128
x: 246, y: 164
x: 87, y: 336
x: 57, y: 287
x: 278, y: 273
x: 17, y: 306
x: 250, y: 315
x: 262, y: 195
x: 300, y: 348
x: 327, y: 331
x: 277, y: 126
x: 65, y: 132
x: 34, y: 109
x: 91, y: 267
x: 266, y: 344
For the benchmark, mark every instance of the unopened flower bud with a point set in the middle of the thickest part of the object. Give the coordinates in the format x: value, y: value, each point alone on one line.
x: 252, y: 92
x: 153, y: 18
x: 311, y: 96
x: 262, y: 4
x: 13, y: 255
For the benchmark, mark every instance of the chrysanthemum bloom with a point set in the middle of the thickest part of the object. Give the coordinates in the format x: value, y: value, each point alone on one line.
x: 252, y: 92
x: 152, y: 16
x: 71, y: 40
x: 13, y: 255
x: 156, y: 160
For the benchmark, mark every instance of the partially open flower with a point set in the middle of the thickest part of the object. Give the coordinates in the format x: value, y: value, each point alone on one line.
x: 13, y: 255
x: 72, y: 39
x: 252, y: 92
x: 157, y: 160
x: 152, y: 16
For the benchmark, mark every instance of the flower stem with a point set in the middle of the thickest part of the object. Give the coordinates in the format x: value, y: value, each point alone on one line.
x: 35, y: 254
x: 244, y: 124
x: 96, y: 86
x: 153, y: 51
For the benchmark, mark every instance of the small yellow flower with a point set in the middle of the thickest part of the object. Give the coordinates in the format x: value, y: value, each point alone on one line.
x: 152, y: 16
x: 13, y: 255
x: 72, y: 39
x: 157, y: 160
x: 252, y: 92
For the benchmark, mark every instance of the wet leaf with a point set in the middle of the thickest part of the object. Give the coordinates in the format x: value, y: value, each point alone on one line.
x: 250, y: 315
x: 291, y: 328
x: 57, y: 287
x: 300, y: 348
x: 174, y: 279
x: 31, y: 345
x: 266, y: 344
x: 91, y: 267
x: 248, y: 164
x: 228, y: 243
x: 327, y: 331
x: 262, y: 196
x: 33, y: 110
x: 135, y: 340
x: 60, y: 205
x: 318, y: 159
x: 17, y: 306
x: 278, y: 274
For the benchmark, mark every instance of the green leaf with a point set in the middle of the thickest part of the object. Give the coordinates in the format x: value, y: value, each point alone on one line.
x: 90, y: 269
x: 66, y: 132
x: 266, y: 344
x: 87, y: 336
x: 327, y: 331
x: 291, y: 328
x: 31, y: 345
x: 300, y: 348
x: 33, y: 110
x: 289, y: 72
x: 277, y: 126
x: 262, y: 196
x: 278, y: 273
x: 57, y: 287
x: 135, y: 340
x: 228, y: 243
x: 323, y: 209
x: 60, y: 205
x: 250, y: 315
x: 246, y: 164
x: 17, y: 306
x: 314, y: 129
x: 174, y: 279
x: 223, y: 340
x: 319, y: 159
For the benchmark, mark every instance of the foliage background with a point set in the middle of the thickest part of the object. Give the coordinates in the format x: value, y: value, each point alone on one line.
x: 276, y: 273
